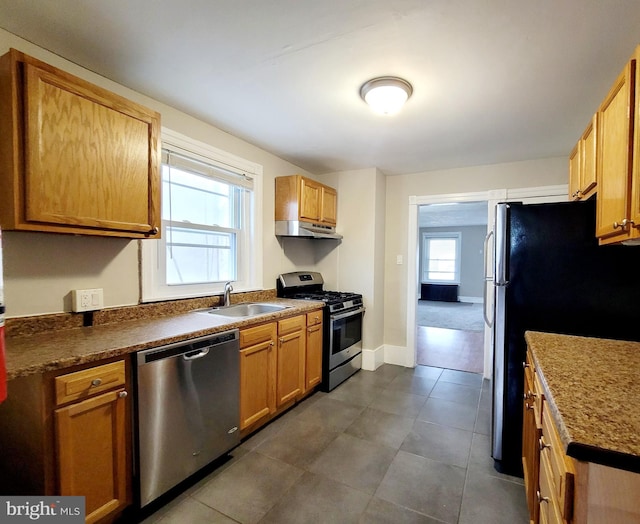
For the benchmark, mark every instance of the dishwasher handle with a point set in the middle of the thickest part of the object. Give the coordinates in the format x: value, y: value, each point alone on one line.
x: 195, y: 355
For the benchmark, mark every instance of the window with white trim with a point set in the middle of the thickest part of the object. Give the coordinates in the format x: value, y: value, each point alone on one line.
x: 209, y: 232
x: 441, y: 258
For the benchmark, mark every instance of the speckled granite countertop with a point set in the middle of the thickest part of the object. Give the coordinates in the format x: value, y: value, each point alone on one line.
x: 59, y: 349
x: 592, y: 387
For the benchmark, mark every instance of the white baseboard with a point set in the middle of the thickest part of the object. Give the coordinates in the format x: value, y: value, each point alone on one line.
x: 397, y: 355
x: 473, y: 300
x: 372, y: 359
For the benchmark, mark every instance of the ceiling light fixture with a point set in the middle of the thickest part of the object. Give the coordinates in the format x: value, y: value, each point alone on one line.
x: 386, y: 94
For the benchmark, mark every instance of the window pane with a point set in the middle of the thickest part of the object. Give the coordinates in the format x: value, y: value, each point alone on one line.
x: 189, y: 197
x: 440, y: 262
x: 442, y: 248
x: 199, y: 256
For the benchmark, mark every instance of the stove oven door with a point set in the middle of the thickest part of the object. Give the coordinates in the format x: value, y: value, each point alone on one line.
x: 345, y: 336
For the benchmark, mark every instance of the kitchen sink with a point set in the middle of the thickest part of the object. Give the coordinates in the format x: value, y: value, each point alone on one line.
x: 245, y: 310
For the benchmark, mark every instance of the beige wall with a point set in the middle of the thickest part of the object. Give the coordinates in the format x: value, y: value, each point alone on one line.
x: 41, y: 269
x: 543, y: 172
x: 361, y: 197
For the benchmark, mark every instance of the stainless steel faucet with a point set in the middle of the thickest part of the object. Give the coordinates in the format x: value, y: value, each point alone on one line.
x: 228, y: 288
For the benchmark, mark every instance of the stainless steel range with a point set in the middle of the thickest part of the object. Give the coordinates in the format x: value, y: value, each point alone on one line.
x: 342, y: 317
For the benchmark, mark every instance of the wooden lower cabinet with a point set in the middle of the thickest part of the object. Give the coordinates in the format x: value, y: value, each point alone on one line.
x: 280, y: 362
x: 531, y: 433
x: 561, y: 489
x: 291, y: 359
x: 313, y: 365
x: 91, y: 442
x: 70, y: 434
x: 257, y: 374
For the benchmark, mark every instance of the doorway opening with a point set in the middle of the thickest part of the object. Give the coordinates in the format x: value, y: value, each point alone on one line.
x: 449, y: 310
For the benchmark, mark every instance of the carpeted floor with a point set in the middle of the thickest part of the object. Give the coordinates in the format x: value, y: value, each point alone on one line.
x: 450, y: 315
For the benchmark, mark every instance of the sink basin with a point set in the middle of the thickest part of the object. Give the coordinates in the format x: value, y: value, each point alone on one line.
x: 245, y: 310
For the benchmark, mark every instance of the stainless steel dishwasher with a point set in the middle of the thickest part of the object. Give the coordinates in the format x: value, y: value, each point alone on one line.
x: 187, y: 409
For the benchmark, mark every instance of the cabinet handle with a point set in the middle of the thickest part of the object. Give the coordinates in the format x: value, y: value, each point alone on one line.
x: 122, y: 394
x: 623, y: 223
x: 542, y: 444
x: 96, y: 382
x: 541, y: 499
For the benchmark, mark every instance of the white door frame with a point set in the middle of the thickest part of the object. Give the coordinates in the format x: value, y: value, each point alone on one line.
x: 528, y: 195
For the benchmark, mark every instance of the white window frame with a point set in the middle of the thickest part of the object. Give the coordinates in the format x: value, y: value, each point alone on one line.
x: 425, y: 256
x: 250, y: 270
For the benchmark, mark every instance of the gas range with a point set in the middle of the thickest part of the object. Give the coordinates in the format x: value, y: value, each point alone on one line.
x: 342, y: 323
x: 307, y: 285
x: 334, y: 300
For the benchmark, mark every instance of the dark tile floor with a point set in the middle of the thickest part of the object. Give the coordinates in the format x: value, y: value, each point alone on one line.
x: 396, y: 445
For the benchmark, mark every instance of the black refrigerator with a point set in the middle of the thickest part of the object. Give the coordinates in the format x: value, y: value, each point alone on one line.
x: 549, y: 274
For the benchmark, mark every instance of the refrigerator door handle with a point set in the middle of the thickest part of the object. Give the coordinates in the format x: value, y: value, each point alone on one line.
x: 501, y: 245
x: 487, y: 279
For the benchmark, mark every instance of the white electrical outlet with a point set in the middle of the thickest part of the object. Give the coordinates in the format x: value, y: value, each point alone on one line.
x: 86, y: 299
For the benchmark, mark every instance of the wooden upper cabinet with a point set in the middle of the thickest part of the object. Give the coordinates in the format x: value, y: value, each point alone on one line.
x: 574, y: 173
x: 75, y: 158
x: 615, y: 159
x: 582, y: 164
x: 329, y: 206
x: 304, y: 199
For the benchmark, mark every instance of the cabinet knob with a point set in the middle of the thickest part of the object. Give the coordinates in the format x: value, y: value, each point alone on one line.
x: 529, y: 406
x: 525, y: 365
x: 96, y: 382
x: 154, y: 230
x: 541, y: 499
x: 623, y: 223
x: 122, y: 394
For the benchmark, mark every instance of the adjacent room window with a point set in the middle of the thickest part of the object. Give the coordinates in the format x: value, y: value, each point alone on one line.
x: 441, y: 258
x: 209, y: 231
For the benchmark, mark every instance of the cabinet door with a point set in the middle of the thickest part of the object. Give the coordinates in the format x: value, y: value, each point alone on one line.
x: 313, y: 364
x: 613, y: 158
x: 91, y: 158
x: 257, y: 384
x: 309, y: 200
x: 531, y: 433
x: 574, y: 173
x: 290, y: 376
x: 329, y: 205
x: 588, y: 155
x: 92, y: 453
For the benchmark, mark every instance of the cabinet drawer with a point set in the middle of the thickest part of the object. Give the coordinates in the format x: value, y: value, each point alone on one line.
x: 291, y: 325
x: 561, y: 468
x: 549, y: 510
x: 256, y: 335
x: 87, y: 382
x: 313, y: 318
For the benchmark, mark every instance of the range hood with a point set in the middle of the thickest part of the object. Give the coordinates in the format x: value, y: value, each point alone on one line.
x: 295, y: 228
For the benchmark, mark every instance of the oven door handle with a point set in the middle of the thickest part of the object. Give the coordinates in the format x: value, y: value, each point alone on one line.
x: 347, y: 314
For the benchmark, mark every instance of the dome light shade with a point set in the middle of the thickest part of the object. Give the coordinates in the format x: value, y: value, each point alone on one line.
x: 386, y: 94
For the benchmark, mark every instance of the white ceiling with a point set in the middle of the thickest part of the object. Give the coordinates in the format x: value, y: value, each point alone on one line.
x: 494, y: 80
